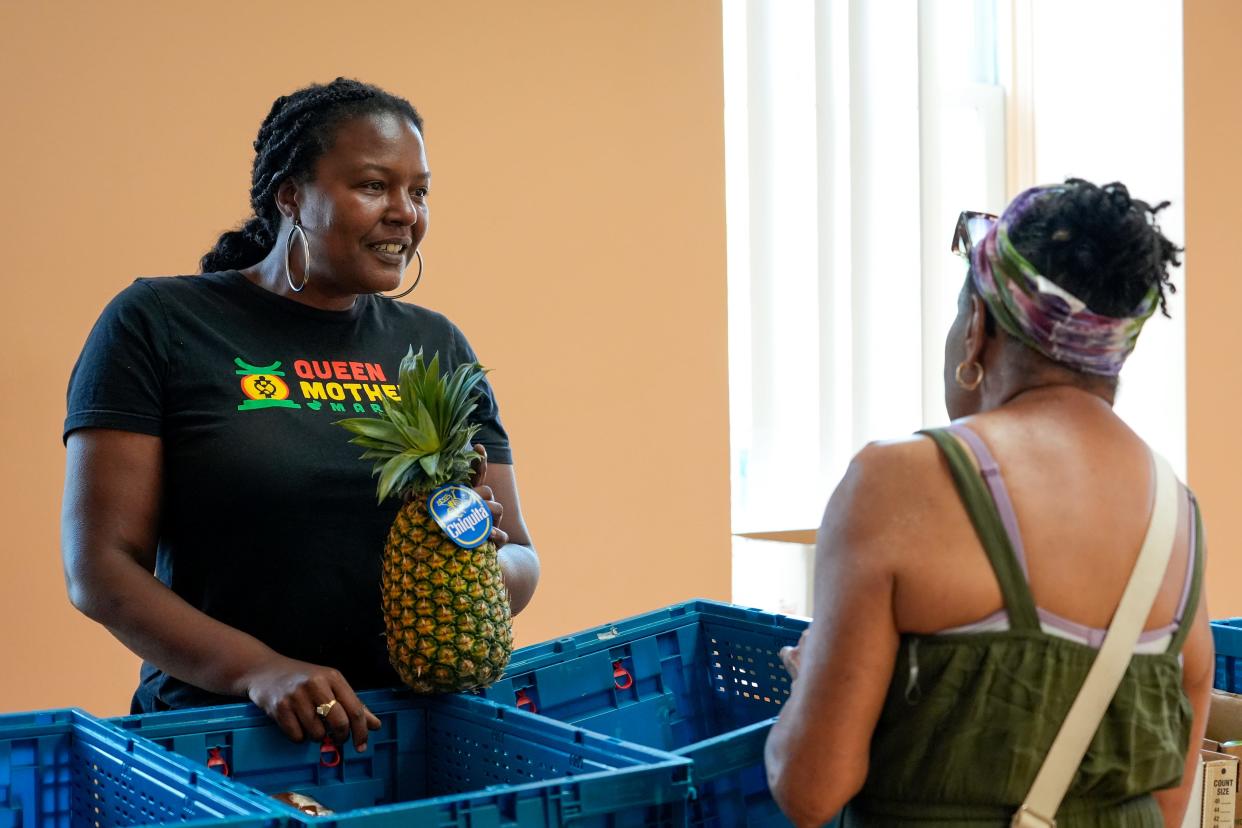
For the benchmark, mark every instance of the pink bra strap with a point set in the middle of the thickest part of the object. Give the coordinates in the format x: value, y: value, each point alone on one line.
x: 996, y: 485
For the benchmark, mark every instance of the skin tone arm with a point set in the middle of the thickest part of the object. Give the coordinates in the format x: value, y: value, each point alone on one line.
x: 109, y: 525
x: 1198, y: 665
x: 817, y: 753
x: 109, y: 520
x: 519, y: 563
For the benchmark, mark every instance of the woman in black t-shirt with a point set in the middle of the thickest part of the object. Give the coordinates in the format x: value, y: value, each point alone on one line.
x: 258, y: 520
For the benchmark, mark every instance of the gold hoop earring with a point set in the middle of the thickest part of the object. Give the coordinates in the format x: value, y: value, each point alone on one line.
x: 419, y: 255
x: 969, y: 386
x: 297, y: 228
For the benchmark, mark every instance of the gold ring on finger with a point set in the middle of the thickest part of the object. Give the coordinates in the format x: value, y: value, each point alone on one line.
x: 324, y: 709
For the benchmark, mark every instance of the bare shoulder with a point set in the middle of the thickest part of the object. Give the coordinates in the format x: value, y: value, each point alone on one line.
x: 898, y: 453
x: 892, y: 489
x: 893, y: 471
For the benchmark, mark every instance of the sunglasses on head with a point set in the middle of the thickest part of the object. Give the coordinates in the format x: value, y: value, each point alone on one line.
x: 971, y: 227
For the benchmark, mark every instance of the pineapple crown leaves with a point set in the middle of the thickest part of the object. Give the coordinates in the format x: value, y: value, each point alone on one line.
x: 422, y: 440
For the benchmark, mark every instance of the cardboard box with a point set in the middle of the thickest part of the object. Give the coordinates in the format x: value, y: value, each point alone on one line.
x: 1225, y: 717
x: 1213, y: 798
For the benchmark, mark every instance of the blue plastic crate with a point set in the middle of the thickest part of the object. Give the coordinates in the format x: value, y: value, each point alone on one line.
x: 1227, y: 636
x: 448, y: 762
x: 703, y: 680
x: 66, y: 769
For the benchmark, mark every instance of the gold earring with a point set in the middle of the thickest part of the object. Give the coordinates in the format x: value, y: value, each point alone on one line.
x: 968, y: 386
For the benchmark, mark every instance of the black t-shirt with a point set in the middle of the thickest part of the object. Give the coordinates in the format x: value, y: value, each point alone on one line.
x: 269, y: 520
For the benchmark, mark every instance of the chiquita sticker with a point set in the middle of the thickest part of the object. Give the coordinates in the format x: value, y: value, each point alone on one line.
x: 462, y: 514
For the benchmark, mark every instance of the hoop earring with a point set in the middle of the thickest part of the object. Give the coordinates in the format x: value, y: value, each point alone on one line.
x: 297, y: 228
x: 969, y: 386
x: 419, y: 255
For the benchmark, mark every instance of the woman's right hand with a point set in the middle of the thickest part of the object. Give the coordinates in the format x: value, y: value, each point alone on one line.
x: 289, y: 691
x: 110, y: 531
x: 791, y: 657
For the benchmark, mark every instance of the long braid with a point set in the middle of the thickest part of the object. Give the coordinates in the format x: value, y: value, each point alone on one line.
x: 298, y: 129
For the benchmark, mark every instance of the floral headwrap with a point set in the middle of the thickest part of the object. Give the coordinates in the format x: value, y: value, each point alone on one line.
x: 1043, y: 315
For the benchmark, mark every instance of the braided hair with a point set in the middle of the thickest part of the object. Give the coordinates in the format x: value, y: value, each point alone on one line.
x: 1099, y: 244
x: 298, y: 130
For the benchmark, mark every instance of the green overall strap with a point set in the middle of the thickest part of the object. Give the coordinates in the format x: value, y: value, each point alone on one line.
x: 1196, y: 581
x: 1019, y: 603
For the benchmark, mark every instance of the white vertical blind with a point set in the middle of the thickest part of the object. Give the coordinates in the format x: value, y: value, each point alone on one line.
x: 962, y: 146
x: 855, y: 133
x: 884, y: 271
x: 782, y: 271
x: 825, y: 293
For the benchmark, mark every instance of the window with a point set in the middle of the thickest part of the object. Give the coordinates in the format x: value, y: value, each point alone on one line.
x: 854, y: 134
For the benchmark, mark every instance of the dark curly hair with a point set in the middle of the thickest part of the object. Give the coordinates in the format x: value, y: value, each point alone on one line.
x: 298, y: 130
x: 1099, y: 244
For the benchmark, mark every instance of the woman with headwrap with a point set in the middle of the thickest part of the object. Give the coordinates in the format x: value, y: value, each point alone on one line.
x: 965, y: 577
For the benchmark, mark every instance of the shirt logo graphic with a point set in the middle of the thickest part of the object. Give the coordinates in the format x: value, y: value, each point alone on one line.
x: 263, y: 386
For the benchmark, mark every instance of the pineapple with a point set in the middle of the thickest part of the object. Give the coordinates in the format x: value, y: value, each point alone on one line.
x: 446, y: 609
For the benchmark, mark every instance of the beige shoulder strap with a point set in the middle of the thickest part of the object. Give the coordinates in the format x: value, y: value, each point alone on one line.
x: 1083, y: 719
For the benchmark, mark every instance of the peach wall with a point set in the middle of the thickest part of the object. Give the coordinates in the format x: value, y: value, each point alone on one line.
x: 577, y: 236
x: 1213, y: 29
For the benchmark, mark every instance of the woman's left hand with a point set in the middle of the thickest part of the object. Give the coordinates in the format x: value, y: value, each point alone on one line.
x: 519, y: 565
x: 499, y: 536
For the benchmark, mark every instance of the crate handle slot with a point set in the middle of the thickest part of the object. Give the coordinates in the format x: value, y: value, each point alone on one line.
x: 329, y: 753
x: 621, y: 677
x: 216, y: 761
x: 524, y: 702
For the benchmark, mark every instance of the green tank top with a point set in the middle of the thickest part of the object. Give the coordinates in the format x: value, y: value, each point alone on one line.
x: 969, y: 717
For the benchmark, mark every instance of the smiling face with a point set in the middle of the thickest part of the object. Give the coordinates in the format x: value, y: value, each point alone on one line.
x: 365, y: 209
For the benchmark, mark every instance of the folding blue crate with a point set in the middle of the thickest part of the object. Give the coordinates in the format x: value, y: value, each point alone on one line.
x: 701, y: 679
x: 1227, y: 637
x: 66, y: 769
x: 448, y: 762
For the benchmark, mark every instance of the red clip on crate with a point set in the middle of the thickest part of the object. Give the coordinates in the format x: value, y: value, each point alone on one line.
x: 1227, y: 637
x: 66, y: 769
x: 702, y: 679
x: 448, y: 762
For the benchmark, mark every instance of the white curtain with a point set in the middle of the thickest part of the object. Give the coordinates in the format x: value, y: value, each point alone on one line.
x: 855, y: 133
x: 833, y: 329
